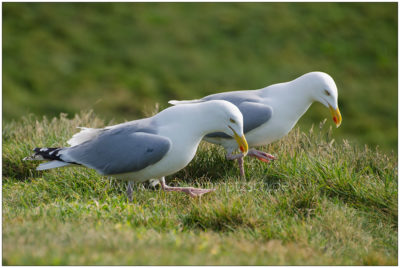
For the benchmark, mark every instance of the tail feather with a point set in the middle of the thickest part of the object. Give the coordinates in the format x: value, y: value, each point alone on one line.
x: 176, y: 102
x: 52, y: 164
x: 84, y: 135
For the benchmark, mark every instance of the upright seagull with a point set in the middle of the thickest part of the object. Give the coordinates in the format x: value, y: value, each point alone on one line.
x: 148, y: 148
x: 271, y: 112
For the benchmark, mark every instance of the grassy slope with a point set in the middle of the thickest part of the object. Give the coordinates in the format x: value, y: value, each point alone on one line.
x: 120, y: 58
x: 321, y: 202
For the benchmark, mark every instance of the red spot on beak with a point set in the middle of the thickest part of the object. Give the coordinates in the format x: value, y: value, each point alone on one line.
x: 335, y: 119
x: 241, y: 148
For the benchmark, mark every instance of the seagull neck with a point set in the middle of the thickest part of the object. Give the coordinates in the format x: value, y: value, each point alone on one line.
x: 195, y: 122
x: 296, y: 94
x: 203, y: 123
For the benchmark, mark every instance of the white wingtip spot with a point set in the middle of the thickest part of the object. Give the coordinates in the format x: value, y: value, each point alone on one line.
x: 33, y: 157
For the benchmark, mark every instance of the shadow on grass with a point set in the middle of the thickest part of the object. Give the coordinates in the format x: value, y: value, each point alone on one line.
x: 221, y: 217
x: 23, y: 171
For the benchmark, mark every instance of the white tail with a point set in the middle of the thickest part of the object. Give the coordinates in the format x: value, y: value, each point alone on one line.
x: 52, y: 164
x: 85, y: 134
x: 176, y: 102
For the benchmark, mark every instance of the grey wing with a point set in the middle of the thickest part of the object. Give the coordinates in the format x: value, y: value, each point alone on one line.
x: 254, y: 115
x: 115, y: 152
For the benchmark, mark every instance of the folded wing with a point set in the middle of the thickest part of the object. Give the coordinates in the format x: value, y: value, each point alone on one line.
x: 116, y: 151
x: 254, y: 115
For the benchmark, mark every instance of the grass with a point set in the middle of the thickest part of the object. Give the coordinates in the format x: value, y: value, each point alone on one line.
x: 118, y: 58
x: 324, y: 201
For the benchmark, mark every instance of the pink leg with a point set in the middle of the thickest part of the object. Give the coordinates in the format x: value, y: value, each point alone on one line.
x: 129, y: 191
x: 193, y: 192
x: 241, y: 167
x: 261, y: 155
x: 239, y: 158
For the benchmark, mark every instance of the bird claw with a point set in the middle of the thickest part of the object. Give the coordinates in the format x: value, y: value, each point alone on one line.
x: 194, y: 192
x: 263, y: 159
x: 262, y: 156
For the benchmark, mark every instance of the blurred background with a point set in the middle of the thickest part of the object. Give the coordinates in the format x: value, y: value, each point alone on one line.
x: 120, y: 59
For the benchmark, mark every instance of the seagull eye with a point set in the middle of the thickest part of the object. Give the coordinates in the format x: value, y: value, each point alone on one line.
x: 232, y: 121
x: 327, y: 92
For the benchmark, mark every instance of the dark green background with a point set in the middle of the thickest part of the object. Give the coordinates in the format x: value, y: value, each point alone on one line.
x: 121, y: 58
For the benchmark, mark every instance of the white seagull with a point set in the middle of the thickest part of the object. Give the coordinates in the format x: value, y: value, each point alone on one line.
x: 271, y: 112
x: 149, y: 148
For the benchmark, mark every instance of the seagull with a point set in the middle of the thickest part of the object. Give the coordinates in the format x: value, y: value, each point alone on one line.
x: 149, y: 148
x: 270, y: 113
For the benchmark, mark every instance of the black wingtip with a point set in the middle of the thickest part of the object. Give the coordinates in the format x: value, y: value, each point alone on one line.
x: 48, y: 153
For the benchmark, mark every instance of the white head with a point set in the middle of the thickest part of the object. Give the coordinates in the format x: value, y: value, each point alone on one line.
x: 227, y: 118
x: 324, y: 90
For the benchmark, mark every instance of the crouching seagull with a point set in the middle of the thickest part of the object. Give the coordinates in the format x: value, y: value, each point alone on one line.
x: 148, y: 148
x: 271, y: 112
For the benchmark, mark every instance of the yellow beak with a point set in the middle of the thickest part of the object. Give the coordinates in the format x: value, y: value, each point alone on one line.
x: 243, y: 146
x: 337, y: 117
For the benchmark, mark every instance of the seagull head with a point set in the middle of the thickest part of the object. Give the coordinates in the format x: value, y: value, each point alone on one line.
x: 235, y: 129
x: 231, y: 122
x: 325, y: 92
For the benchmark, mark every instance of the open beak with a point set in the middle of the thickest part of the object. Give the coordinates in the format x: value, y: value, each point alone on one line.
x: 243, y: 146
x: 337, y: 117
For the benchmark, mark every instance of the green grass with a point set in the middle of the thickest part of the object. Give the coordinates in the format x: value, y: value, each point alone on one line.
x: 119, y: 58
x: 324, y: 201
